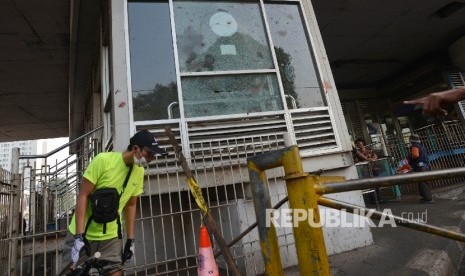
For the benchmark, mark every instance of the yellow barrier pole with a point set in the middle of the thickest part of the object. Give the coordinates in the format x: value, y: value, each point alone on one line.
x: 268, y: 237
x: 309, y: 241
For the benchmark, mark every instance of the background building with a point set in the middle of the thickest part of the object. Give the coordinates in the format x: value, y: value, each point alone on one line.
x: 25, y: 148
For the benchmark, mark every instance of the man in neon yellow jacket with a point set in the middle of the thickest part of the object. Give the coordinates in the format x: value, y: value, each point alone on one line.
x: 110, y: 187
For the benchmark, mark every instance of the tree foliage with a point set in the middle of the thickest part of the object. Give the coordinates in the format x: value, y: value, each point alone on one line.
x: 286, y: 71
x: 153, y: 105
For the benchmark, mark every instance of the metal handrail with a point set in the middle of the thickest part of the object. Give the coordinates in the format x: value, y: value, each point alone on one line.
x: 387, y: 181
x: 294, y: 103
x: 170, y: 109
x: 60, y: 148
x: 420, y: 226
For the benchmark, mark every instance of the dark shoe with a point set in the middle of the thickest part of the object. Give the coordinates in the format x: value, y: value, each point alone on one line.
x: 426, y: 201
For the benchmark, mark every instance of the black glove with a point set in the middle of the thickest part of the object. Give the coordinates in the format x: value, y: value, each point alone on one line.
x: 80, y: 244
x: 128, y: 251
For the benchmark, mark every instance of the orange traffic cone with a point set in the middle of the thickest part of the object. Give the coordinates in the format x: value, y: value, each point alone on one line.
x: 207, y: 264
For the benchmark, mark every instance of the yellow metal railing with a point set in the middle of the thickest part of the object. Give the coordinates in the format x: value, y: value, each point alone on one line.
x: 309, y: 240
x: 305, y: 193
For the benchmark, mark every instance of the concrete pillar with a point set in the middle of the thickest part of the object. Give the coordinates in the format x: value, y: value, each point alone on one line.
x: 119, y: 86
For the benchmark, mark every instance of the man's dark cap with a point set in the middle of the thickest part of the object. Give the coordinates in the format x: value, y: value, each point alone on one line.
x: 415, y: 138
x: 146, y: 139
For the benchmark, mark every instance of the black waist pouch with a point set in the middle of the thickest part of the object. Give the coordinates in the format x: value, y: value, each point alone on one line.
x: 105, y: 205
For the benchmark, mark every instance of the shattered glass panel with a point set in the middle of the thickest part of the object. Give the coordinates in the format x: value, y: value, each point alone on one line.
x: 237, y: 94
x: 221, y: 36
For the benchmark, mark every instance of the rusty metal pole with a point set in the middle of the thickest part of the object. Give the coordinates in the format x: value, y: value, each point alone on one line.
x: 208, y: 219
x: 355, y: 209
x: 386, y: 181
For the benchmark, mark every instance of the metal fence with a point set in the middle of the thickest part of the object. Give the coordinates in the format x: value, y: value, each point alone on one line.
x: 5, y: 230
x: 32, y: 230
x: 168, y: 220
x: 445, y: 143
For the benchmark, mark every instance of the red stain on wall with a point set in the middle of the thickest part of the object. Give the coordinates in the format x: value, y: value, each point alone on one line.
x: 121, y: 104
x: 326, y: 85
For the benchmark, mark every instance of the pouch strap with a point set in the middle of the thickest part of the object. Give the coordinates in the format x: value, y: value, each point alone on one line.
x: 88, y: 223
x: 126, y: 180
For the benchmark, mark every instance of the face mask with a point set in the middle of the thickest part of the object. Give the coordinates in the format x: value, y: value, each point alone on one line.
x: 140, y: 162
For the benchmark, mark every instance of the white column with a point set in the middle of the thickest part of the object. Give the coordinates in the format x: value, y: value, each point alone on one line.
x: 119, y: 84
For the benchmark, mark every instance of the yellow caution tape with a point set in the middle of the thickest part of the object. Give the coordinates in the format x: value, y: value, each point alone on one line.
x: 197, y: 193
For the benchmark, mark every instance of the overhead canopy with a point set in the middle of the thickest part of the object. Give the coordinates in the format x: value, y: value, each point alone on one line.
x: 392, y: 46
x: 34, y: 69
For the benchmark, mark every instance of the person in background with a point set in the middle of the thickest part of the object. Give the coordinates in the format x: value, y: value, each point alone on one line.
x: 361, y: 154
x: 436, y: 103
x: 110, y: 187
x: 418, y: 160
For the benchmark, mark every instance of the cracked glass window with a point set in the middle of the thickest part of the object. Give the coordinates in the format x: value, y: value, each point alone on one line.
x: 222, y: 95
x: 221, y: 36
x: 217, y: 37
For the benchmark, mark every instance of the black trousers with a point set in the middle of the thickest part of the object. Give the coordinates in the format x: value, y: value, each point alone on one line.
x: 376, y: 196
x: 423, y: 188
